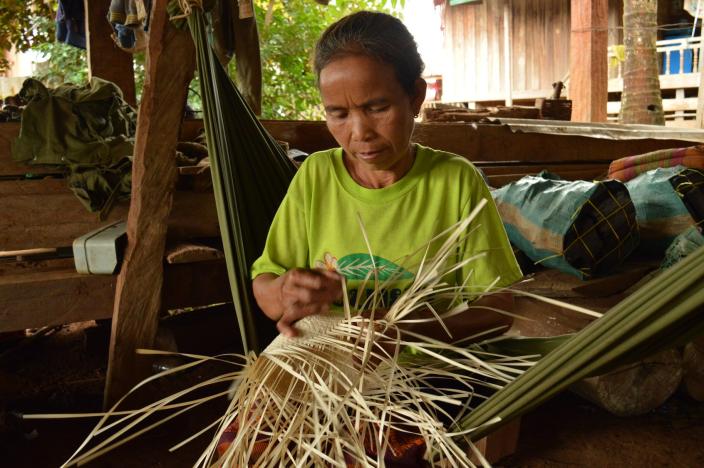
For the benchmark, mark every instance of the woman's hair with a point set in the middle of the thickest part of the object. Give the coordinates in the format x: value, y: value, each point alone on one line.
x: 375, y: 35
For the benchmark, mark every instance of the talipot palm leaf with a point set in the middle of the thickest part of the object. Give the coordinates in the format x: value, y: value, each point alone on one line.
x: 667, y: 311
x: 251, y: 174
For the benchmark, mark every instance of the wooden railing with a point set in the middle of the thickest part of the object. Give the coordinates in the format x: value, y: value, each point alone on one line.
x: 680, y: 62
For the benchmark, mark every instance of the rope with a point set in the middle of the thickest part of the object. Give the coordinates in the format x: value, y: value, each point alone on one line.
x: 186, y: 7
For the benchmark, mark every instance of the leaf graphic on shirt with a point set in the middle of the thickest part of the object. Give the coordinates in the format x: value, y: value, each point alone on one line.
x: 359, y: 266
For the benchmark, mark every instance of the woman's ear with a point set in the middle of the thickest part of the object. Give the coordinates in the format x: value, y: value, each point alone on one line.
x: 418, y: 97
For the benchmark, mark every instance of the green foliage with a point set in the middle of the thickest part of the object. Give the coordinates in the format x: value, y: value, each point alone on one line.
x: 288, y: 31
x: 63, y: 63
x: 18, y: 19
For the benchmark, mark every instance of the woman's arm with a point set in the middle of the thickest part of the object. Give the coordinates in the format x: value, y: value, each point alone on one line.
x: 296, y: 294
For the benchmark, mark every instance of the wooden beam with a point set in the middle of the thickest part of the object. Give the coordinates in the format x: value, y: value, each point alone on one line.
x: 700, y: 93
x: 481, y: 143
x: 171, y: 62
x: 45, y: 297
x: 508, y: 55
x: 105, y: 59
x: 588, y: 62
x: 44, y: 213
x: 35, y: 294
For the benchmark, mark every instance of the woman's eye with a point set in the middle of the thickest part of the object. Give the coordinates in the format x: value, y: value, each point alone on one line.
x: 337, y: 114
x: 376, y: 110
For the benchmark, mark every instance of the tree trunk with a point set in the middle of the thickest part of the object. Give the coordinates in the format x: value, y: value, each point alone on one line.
x: 641, y: 101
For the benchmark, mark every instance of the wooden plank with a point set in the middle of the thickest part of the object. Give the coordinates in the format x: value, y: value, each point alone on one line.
x: 561, y: 39
x: 482, y: 143
x: 682, y: 80
x: 29, y: 266
x: 105, y: 59
x: 533, y: 48
x: 467, y: 34
x: 540, y: 49
x: 519, y: 24
x: 482, y: 38
x: 588, y: 60
x: 51, y: 292
x: 495, y: 38
x: 700, y: 93
x: 507, y: 53
x: 304, y: 135
x: 668, y: 105
x: 53, y: 297
x: 139, y: 286
x: 44, y: 213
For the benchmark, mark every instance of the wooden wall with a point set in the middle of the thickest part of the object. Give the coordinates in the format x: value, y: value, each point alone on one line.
x: 540, y: 31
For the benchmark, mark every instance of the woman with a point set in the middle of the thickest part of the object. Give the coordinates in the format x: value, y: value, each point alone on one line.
x: 369, y: 76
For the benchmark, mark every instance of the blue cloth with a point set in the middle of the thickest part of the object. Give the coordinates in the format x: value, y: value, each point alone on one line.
x: 70, y: 23
x: 125, y: 35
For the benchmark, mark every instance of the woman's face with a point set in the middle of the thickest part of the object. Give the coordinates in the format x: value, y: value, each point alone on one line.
x: 368, y: 112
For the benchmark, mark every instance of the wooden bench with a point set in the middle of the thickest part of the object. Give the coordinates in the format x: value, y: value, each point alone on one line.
x: 41, y: 216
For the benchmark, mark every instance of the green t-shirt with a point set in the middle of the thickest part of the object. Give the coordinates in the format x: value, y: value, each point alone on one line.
x: 317, y: 224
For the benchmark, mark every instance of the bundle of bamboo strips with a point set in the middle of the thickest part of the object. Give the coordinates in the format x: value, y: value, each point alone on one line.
x: 336, y: 392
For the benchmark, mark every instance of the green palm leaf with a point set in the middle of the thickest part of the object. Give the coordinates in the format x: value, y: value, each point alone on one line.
x: 667, y: 311
x: 250, y: 176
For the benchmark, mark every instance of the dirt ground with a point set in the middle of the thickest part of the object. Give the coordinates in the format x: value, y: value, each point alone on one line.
x: 65, y: 372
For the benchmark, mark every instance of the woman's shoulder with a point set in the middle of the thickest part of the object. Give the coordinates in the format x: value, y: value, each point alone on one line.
x: 318, y: 161
x: 446, y: 162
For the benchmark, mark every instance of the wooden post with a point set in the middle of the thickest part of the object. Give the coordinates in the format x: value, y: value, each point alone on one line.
x: 700, y: 94
x: 508, y: 56
x: 105, y: 59
x: 588, y: 87
x: 170, y: 66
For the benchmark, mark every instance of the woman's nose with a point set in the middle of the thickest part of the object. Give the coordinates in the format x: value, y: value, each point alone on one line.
x: 361, y: 128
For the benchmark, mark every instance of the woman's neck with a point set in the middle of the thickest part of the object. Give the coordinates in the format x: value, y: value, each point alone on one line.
x: 372, y: 178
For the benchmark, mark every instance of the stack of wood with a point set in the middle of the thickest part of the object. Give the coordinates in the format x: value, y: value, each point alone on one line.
x: 555, y: 107
x: 448, y: 113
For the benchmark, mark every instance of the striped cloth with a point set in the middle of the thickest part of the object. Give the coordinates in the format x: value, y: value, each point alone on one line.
x: 405, y: 450
x: 625, y: 169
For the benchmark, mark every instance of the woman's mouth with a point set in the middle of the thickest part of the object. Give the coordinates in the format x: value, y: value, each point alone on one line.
x: 369, y: 154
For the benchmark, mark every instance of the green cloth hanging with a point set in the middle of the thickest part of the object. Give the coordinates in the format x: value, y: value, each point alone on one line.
x: 251, y: 174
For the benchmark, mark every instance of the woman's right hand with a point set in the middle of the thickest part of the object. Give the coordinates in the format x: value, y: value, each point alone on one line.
x: 296, y: 294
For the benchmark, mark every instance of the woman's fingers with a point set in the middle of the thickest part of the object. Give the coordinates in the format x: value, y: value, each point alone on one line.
x: 311, y: 287
x: 306, y: 292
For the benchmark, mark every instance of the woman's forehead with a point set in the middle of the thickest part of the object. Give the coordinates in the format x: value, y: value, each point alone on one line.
x: 358, y: 73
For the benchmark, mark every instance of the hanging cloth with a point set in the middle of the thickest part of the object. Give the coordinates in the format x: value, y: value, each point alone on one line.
x: 130, y: 22
x: 235, y: 35
x: 70, y: 23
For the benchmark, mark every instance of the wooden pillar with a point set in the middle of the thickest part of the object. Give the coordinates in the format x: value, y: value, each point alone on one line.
x: 170, y: 66
x: 508, y: 55
x: 700, y: 93
x: 105, y: 59
x: 588, y: 86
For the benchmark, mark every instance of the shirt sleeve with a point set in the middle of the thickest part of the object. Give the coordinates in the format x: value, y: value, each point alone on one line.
x: 487, y: 237
x: 286, y: 244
